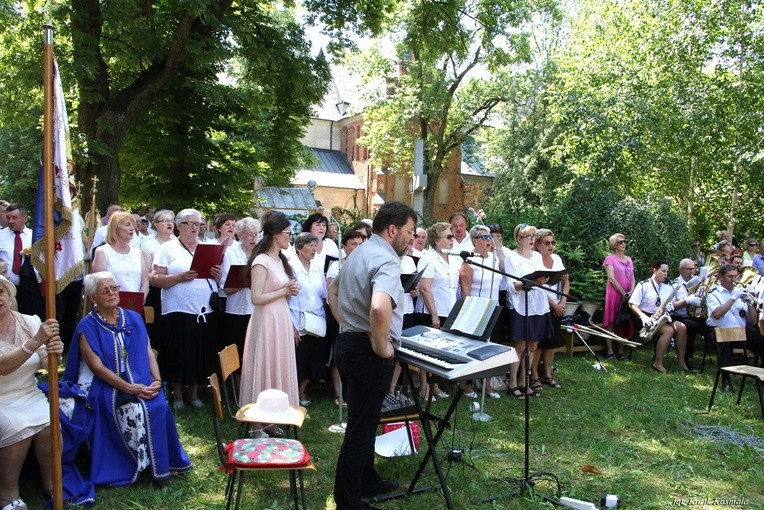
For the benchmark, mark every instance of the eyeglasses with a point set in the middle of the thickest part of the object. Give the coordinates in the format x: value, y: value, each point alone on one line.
x: 485, y: 237
x: 450, y: 237
x: 691, y: 268
x: 550, y: 243
x: 166, y: 220
x: 623, y: 241
x: 529, y: 236
x: 410, y: 231
x: 191, y: 223
x: 752, y: 244
x: 108, y: 290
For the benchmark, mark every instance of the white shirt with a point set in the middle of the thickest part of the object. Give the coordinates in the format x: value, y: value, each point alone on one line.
x: 150, y: 245
x: 312, y: 291
x: 7, y: 242
x: 557, y: 265
x: 717, y: 296
x: 649, y: 295
x: 127, y: 268
x: 445, y: 281
x: 485, y: 283
x: 188, y: 297
x: 465, y: 245
x: 518, y: 265
x: 240, y: 302
x: 408, y: 266
x: 681, y: 293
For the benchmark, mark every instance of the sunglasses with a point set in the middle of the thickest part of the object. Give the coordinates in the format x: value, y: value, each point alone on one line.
x: 550, y: 243
x: 623, y: 241
x: 450, y: 237
x: 752, y: 244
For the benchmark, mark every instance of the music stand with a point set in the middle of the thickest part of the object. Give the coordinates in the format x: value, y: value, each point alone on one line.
x: 525, y: 484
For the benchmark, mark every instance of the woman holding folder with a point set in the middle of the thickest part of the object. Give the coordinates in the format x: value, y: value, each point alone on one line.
x: 523, y: 261
x: 191, y: 329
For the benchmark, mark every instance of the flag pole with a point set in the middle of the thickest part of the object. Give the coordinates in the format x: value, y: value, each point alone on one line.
x: 50, y: 270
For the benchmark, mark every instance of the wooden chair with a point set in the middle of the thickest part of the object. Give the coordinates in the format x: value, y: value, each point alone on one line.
x: 229, y: 363
x: 726, y: 335
x: 257, y: 454
x: 148, y: 314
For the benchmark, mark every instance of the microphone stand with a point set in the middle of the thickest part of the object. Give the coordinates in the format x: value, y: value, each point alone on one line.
x: 526, y: 483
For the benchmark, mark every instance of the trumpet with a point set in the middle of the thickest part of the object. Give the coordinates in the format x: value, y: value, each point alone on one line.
x: 750, y: 298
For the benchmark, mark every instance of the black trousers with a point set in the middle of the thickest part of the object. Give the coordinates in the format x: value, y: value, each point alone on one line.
x: 368, y: 379
x: 67, y: 309
x: 694, y: 326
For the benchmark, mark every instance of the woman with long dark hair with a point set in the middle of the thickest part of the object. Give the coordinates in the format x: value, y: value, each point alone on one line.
x: 269, y: 351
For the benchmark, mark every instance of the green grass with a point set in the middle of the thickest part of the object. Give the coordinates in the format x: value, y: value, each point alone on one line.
x: 630, y: 422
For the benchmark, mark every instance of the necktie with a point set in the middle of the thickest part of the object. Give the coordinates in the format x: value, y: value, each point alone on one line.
x: 17, y: 254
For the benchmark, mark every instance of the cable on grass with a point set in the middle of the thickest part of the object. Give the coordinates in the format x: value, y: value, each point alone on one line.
x: 723, y: 435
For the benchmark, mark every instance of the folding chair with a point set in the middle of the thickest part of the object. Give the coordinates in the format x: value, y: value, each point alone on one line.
x: 229, y: 363
x: 726, y: 335
x: 258, y: 454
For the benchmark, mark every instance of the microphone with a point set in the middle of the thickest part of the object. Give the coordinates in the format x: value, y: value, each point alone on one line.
x: 462, y: 254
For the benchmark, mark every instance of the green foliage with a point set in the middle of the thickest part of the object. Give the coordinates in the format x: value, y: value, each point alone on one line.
x: 590, y: 213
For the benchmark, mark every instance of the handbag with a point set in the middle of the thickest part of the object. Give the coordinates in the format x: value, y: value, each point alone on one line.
x: 313, y: 324
x: 217, y: 303
x: 624, y: 314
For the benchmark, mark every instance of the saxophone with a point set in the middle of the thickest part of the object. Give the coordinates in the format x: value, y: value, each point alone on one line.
x: 659, y: 317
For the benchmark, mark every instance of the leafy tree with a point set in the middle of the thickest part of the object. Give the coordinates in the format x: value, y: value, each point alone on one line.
x: 149, y: 94
x: 656, y: 97
x: 448, y: 83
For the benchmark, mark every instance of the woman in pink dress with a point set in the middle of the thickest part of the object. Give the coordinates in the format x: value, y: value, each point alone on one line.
x: 269, y: 351
x: 620, y: 283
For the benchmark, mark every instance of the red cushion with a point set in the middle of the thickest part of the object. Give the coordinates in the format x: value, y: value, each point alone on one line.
x: 272, y: 452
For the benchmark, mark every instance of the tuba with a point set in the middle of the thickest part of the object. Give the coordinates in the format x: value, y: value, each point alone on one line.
x: 701, y: 289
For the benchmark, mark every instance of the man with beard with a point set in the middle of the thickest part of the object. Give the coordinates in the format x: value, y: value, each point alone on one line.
x: 364, y: 298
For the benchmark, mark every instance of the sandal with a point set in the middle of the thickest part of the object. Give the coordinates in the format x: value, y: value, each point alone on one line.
x: 16, y: 504
x: 550, y: 381
x: 516, y: 392
x: 530, y: 392
x: 536, y: 384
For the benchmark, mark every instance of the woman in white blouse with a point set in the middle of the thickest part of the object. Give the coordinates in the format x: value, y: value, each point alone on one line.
x: 311, y: 351
x: 523, y: 261
x: 129, y: 265
x: 476, y: 281
x: 439, y: 282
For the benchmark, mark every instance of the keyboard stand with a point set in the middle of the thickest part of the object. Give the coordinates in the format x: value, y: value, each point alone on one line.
x: 441, y: 424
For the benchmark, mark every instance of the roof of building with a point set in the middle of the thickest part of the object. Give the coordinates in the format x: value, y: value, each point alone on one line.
x: 289, y: 199
x: 341, y: 93
x: 332, y: 171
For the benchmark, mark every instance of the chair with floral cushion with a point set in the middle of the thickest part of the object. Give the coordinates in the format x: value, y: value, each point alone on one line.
x: 259, y: 454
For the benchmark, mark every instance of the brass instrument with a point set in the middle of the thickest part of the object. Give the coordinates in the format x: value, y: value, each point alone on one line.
x: 659, y: 317
x: 701, y: 290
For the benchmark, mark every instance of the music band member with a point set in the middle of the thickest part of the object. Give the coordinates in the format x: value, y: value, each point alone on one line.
x: 683, y: 299
x: 726, y: 309
x: 365, y: 298
x: 650, y: 295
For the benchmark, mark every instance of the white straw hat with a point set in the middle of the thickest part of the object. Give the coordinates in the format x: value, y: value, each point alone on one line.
x: 272, y: 406
x: 9, y: 286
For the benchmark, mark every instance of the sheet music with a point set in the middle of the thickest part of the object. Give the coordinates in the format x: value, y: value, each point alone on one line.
x: 472, y: 315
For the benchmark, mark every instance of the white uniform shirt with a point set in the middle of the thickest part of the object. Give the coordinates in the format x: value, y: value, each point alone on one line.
x: 312, y: 291
x: 717, y: 296
x: 649, y: 295
x: 188, y: 297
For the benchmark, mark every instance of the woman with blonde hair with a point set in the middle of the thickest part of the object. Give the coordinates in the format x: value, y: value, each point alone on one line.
x: 129, y: 265
x: 620, y: 282
x: 527, y: 327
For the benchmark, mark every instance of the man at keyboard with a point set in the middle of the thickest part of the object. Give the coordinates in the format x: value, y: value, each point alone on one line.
x: 363, y: 297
